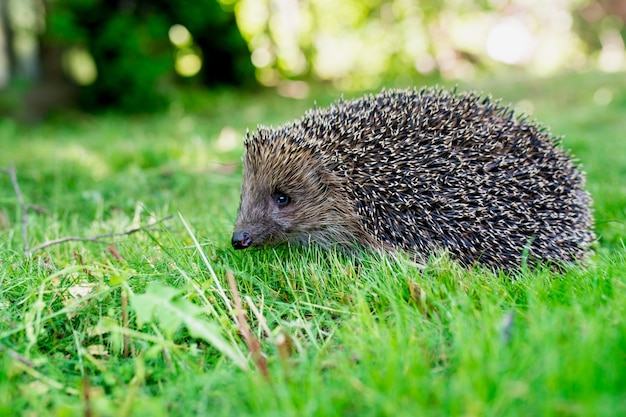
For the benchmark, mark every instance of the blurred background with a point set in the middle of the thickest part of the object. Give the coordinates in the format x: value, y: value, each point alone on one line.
x: 132, y: 55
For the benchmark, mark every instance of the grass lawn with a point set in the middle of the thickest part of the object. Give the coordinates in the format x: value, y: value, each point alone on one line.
x: 145, y: 323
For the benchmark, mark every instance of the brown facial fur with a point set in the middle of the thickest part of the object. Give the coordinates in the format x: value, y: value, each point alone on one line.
x: 319, y: 211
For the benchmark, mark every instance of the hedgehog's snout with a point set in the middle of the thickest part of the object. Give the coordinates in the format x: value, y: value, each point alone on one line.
x: 241, y: 239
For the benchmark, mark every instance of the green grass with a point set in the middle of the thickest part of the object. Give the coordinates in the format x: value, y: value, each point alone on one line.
x: 377, y: 336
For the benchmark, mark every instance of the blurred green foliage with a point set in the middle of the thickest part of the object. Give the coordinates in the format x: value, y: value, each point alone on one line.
x: 133, y: 56
x: 121, y: 54
x: 364, y: 44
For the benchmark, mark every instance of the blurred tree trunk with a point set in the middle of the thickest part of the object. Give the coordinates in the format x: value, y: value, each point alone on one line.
x: 7, y: 35
x: 35, y: 82
x: 53, y: 90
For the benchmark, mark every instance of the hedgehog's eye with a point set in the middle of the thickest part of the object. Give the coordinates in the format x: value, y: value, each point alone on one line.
x: 281, y: 199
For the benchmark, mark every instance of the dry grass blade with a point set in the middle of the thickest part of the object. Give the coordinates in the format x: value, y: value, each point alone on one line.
x: 251, y: 341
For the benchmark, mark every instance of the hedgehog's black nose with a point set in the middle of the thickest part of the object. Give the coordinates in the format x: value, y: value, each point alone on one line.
x: 241, y: 239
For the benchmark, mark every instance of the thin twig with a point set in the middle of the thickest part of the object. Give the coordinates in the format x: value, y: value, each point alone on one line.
x: 96, y: 238
x: 37, y: 209
x: 24, y: 208
x: 12, y: 173
x: 251, y: 341
x: 14, y: 355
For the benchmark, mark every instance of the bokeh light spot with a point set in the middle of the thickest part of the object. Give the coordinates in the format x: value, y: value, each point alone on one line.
x: 509, y: 41
x: 261, y: 57
x: 179, y: 36
x: 188, y: 63
x: 79, y: 64
x: 603, y: 96
x: 228, y: 139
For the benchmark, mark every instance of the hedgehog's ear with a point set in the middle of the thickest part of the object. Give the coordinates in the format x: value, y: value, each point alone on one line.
x: 328, y: 176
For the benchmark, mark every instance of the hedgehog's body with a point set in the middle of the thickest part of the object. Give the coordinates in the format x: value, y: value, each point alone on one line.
x: 420, y: 171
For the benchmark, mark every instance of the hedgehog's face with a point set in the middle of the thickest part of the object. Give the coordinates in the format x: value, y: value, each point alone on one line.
x: 287, y: 195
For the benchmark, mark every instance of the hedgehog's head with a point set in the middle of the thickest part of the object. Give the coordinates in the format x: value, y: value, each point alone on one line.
x: 289, y: 192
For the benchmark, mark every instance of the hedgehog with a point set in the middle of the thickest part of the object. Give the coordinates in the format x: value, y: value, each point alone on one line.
x: 418, y: 171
